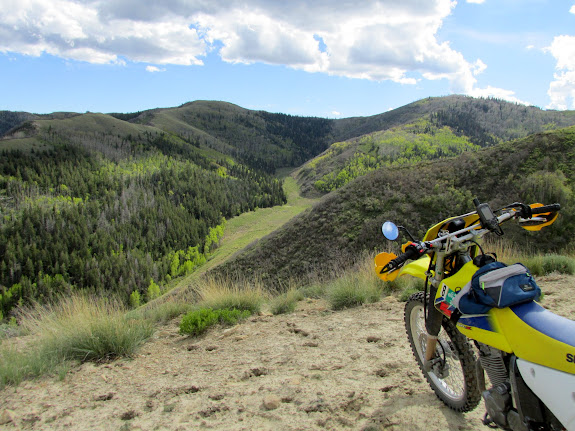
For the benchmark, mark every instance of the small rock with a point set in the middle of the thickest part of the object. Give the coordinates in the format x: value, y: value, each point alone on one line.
x: 30, y: 418
x: 104, y: 397
x: 373, y: 339
x: 192, y: 347
x: 216, y: 397
x: 382, y: 373
x: 129, y: 415
x: 211, y: 348
x: 299, y: 331
x: 311, y: 344
x: 272, y: 402
x: 255, y: 372
x: 318, y: 405
x: 7, y: 416
x: 388, y: 388
x: 169, y: 408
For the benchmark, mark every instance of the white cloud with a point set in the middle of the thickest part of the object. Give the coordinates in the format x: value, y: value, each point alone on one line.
x: 374, y: 39
x: 154, y: 69
x: 562, y: 88
x: 498, y: 93
x: 572, y: 10
x: 79, y: 31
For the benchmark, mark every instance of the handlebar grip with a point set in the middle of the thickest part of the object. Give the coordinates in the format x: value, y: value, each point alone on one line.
x: 410, y: 253
x: 546, y: 209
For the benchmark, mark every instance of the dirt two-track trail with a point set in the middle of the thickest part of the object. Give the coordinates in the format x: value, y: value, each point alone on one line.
x: 311, y: 369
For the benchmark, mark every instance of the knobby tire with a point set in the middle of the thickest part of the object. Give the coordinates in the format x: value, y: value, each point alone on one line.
x: 453, y: 344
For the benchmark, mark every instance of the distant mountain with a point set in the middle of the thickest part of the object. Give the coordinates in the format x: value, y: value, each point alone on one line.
x: 346, y: 222
x: 425, y: 130
x: 259, y: 139
x: 123, y: 202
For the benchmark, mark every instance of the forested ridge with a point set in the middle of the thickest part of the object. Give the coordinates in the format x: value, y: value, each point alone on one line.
x: 262, y: 140
x: 347, y: 222
x: 117, y: 215
x: 429, y: 129
x: 123, y: 203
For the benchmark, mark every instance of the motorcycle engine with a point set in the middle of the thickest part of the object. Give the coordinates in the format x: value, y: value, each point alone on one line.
x: 498, y: 399
x: 500, y: 411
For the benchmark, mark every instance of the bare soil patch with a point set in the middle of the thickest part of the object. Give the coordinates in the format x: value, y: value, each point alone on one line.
x: 312, y: 369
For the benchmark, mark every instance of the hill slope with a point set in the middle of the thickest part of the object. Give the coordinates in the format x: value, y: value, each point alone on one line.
x: 347, y: 221
x: 96, y: 203
x: 126, y: 202
x: 424, y: 130
x: 259, y: 139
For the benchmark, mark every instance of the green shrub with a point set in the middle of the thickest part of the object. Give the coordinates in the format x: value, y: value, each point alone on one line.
x: 350, y: 291
x: 198, y: 321
x: 543, y: 265
x: 231, y: 317
x: 135, y: 299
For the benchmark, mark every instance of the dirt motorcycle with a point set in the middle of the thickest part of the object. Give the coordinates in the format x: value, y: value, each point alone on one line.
x: 479, y: 317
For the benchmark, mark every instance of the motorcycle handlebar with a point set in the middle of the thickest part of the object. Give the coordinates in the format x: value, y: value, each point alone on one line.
x: 412, y: 251
x: 416, y: 250
x: 546, y: 209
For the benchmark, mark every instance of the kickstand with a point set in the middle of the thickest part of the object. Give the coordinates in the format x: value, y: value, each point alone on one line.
x: 487, y: 421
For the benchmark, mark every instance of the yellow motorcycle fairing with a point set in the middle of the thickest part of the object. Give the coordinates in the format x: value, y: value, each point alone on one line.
x: 529, y: 331
x: 539, y: 221
x: 416, y: 268
x: 432, y: 233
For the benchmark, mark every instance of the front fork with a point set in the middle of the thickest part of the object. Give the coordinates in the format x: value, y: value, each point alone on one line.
x: 434, y: 317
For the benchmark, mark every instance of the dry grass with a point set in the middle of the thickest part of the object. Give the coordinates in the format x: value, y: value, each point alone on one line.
x: 219, y: 294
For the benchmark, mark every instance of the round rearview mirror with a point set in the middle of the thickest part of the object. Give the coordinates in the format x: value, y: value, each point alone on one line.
x: 390, y: 231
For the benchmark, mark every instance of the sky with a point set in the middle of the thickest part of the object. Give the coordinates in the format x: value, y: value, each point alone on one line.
x: 324, y: 58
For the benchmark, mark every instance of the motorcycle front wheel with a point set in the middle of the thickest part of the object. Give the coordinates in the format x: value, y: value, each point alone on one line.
x: 451, y: 373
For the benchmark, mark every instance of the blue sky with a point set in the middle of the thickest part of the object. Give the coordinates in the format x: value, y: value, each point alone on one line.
x: 327, y: 58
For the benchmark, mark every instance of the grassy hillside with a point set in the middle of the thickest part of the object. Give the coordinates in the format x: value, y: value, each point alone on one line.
x: 425, y: 130
x: 347, y: 221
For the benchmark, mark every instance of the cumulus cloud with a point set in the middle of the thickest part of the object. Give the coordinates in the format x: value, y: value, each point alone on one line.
x: 81, y: 31
x: 374, y: 39
x: 572, y: 10
x: 154, y: 69
x: 562, y: 88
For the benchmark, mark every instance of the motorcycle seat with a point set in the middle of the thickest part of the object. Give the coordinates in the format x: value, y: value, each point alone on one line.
x: 544, y: 321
